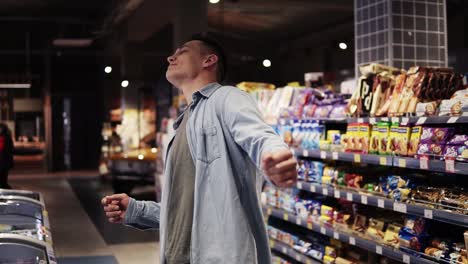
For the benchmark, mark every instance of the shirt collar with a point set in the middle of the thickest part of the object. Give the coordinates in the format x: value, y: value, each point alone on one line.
x: 205, y: 92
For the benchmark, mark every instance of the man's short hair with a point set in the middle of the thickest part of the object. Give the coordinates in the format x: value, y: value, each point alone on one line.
x: 217, y: 49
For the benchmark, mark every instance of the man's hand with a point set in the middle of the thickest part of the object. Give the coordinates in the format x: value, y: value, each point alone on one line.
x: 115, y: 207
x: 280, y: 167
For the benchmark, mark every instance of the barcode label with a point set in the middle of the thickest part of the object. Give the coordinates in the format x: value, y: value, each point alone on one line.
x: 337, y: 194
x: 325, y: 191
x: 364, y: 199
x: 378, y: 250
x: 428, y: 213
x: 380, y: 203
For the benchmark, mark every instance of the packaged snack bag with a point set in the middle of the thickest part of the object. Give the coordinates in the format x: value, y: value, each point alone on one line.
x: 384, y: 131
x: 391, y: 235
x: 414, y: 140
x: 364, y: 138
x: 403, y: 140
x: 374, y: 140
x: 392, y: 143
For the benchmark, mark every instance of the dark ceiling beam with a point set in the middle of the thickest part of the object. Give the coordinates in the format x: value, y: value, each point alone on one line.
x: 150, y: 18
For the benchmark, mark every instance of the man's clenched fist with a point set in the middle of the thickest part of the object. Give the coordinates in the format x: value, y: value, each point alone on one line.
x: 280, y: 167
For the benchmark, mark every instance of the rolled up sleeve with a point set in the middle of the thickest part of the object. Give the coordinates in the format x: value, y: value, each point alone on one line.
x: 142, y: 215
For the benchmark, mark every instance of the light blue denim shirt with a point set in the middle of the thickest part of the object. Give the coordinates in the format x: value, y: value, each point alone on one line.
x: 227, y: 137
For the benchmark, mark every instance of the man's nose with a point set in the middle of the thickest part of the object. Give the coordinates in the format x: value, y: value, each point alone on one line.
x: 170, y: 59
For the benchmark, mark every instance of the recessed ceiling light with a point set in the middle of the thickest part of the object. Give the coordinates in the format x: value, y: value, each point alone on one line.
x: 125, y: 83
x: 214, y: 1
x: 343, y: 46
x: 266, y: 63
x: 108, y: 69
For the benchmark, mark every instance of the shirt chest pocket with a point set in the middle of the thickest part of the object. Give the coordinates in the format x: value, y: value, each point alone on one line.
x: 208, y: 149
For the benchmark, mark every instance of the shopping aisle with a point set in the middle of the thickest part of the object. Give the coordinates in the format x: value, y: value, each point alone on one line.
x: 80, y: 231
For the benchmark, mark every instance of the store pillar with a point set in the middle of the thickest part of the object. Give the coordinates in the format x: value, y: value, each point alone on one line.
x: 400, y: 33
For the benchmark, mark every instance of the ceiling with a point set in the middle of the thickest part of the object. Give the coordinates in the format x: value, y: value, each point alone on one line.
x: 247, y: 26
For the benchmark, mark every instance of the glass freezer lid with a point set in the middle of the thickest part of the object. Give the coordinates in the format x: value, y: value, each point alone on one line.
x: 16, y: 252
x: 21, y: 210
x: 28, y: 194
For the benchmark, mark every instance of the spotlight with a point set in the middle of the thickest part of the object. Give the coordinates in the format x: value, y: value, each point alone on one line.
x: 125, y: 83
x: 266, y: 63
x: 343, y: 46
x: 108, y: 69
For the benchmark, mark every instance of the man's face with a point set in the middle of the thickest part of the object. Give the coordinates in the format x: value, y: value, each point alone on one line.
x: 185, y: 63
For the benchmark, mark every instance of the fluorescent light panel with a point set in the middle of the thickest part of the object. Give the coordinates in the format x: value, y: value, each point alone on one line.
x: 15, y: 85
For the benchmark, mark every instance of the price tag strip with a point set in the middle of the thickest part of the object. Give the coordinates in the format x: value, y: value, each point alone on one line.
x: 399, y: 207
x: 349, y: 197
x: 335, y: 155
x: 312, y: 188
x: 337, y: 194
x: 323, y: 155
x: 424, y: 162
x: 325, y: 191
x: 378, y: 250
x: 383, y: 161
x: 428, y: 213
x: 381, y: 203
x: 449, y: 165
x: 364, y: 199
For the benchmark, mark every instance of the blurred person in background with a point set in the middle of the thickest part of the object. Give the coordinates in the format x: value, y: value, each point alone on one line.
x: 6, y: 155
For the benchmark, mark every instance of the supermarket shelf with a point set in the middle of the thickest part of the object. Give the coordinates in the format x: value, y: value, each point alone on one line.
x: 292, y: 253
x: 391, y: 161
x: 345, y: 156
x: 385, y: 203
x: 415, y: 120
x: 351, y: 239
x: 432, y: 165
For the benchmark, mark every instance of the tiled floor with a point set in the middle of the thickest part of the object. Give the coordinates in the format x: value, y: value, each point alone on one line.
x: 78, y: 225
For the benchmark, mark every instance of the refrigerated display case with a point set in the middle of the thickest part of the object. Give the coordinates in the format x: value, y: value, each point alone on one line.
x: 24, y: 228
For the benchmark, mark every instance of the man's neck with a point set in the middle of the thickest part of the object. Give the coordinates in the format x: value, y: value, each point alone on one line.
x: 193, y: 86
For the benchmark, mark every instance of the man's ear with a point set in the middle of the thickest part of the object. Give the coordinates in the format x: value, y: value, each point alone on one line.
x: 210, y: 60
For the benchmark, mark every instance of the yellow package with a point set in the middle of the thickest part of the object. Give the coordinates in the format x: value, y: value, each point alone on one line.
x: 374, y: 140
x: 403, y: 141
x: 414, y: 140
x: 384, y: 131
x: 353, y: 137
x: 391, y: 235
x: 327, y: 180
x: 328, y: 260
x: 330, y: 251
x: 364, y: 138
x: 393, y: 139
x: 324, y: 145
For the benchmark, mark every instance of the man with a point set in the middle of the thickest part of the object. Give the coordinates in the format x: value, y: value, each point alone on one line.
x: 209, y: 211
x: 6, y: 155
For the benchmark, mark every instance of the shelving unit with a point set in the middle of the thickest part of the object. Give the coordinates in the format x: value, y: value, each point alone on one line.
x: 447, y: 166
x: 429, y: 211
x: 385, y: 203
x: 349, y: 238
x: 430, y: 120
x: 290, y: 252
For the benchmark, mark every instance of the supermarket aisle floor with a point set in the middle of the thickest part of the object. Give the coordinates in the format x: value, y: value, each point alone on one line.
x: 79, y: 230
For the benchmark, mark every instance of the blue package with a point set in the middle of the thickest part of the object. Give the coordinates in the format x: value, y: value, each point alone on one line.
x: 315, y: 171
x: 302, y: 170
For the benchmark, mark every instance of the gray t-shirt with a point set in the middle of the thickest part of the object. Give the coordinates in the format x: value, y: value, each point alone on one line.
x: 180, y: 204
